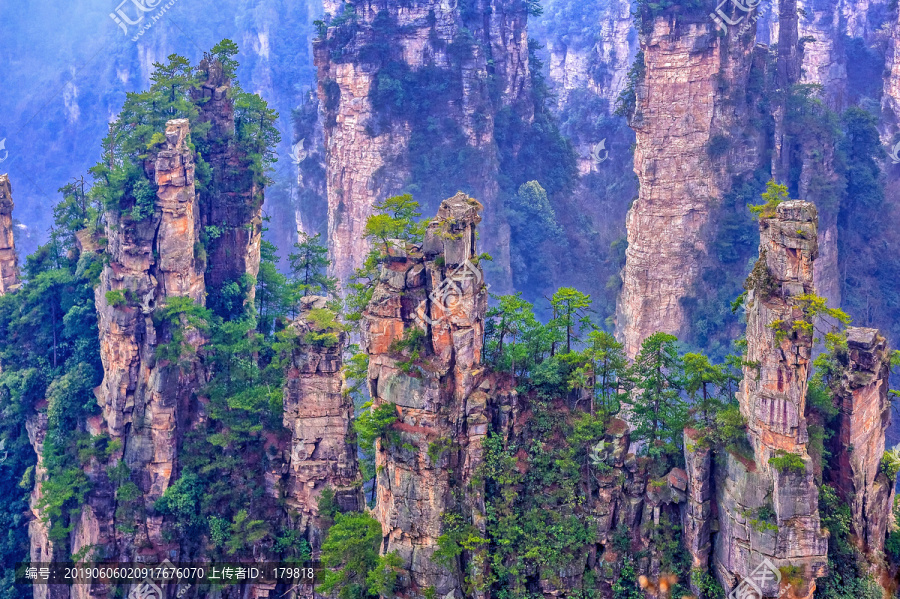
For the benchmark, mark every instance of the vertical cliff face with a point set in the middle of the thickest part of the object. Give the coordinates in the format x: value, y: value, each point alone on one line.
x: 862, y: 421
x: 434, y: 298
x: 681, y: 113
x: 368, y: 146
x: 824, y: 57
x: 601, y: 67
x: 773, y: 401
x: 232, y: 208
x: 9, y: 262
x: 147, y: 402
x: 891, y: 100
x: 318, y: 416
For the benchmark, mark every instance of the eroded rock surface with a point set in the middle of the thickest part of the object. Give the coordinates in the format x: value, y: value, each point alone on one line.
x: 445, y: 402
x: 146, y: 400
x: 318, y: 416
x: 232, y: 208
x: 9, y: 262
x: 680, y: 111
x: 865, y: 413
x: 367, y: 152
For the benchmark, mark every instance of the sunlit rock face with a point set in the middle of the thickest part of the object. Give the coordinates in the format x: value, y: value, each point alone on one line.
x: 772, y: 398
x: 865, y: 413
x: 446, y: 401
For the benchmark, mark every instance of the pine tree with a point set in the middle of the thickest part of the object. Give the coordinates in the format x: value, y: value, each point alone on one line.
x: 570, y: 313
x: 309, y: 266
x: 658, y: 411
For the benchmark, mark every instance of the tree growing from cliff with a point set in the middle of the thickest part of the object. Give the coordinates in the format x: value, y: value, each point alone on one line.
x: 309, y: 266
x: 352, y: 565
x: 773, y: 196
x: 509, y: 325
x: 604, y: 373
x: 658, y: 411
x: 570, y: 314
x: 394, y: 218
x: 707, y: 386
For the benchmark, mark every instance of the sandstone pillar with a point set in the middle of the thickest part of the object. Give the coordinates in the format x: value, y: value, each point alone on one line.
x: 769, y: 509
x: 433, y: 297
x: 865, y: 413
x: 319, y: 418
x: 680, y: 111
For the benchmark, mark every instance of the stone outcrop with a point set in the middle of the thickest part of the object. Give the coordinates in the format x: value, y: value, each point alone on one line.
x: 318, y: 416
x: 9, y: 262
x: 146, y: 401
x: 366, y: 157
x: 232, y: 209
x: 769, y: 510
x: 680, y: 114
x: 432, y: 297
x: 864, y: 416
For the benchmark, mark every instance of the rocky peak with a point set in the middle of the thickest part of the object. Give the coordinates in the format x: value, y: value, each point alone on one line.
x: 146, y: 402
x: 423, y: 332
x: 9, y: 262
x: 318, y: 415
x: 779, y: 477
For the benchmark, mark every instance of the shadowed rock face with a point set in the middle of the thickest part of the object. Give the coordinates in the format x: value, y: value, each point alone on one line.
x: 9, y: 262
x: 233, y: 204
x: 318, y: 416
x: 865, y: 413
x: 680, y: 109
x: 773, y: 401
x: 367, y: 157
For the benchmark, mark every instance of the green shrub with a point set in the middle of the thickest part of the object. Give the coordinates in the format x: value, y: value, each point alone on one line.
x: 890, y: 463
x: 116, y: 298
x: 788, y: 462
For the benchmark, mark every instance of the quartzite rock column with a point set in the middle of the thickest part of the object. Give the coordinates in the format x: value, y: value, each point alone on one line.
x: 770, y: 511
x: 146, y: 401
x: 318, y: 415
x: 680, y: 111
x: 9, y: 264
x: 367, y: 148
x: 435, y: 299
x: 865, y: 413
